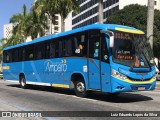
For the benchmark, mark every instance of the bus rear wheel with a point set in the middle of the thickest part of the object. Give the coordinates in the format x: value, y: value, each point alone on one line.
x: 80, y: 88
x: 23, y: 82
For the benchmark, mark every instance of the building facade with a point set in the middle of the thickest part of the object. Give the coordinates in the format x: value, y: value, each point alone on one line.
x: 89, y: 10
x: 7, y: 30
x: 53, y: 27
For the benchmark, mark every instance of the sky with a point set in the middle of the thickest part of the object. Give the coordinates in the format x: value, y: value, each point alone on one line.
x: 10, y: 7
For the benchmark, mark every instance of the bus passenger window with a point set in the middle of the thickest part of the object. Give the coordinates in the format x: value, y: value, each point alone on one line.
x: 7, y: 58
x: 52, y: 50
x: 29, y: 52
x: 67, y: 48
x: 39, y: 55
x: 80, y: 45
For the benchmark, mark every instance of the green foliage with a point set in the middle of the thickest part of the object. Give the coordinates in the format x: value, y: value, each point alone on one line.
x: 136, y: 16
x: 21, y: 21
x: 13, y: 40
x: 36, y: 25
x: 52, y: 7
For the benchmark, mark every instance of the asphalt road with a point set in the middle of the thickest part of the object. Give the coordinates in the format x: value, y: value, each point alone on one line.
x: 38, y: 98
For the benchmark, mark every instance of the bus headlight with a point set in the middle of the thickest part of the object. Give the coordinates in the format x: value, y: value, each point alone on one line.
x: 118, y: 75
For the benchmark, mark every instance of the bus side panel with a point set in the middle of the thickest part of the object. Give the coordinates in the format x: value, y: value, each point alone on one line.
x: 11, y: 71
x: 76, y: 65
x: 54, y: 70
x: 35, y: 71
x: 59, y: 71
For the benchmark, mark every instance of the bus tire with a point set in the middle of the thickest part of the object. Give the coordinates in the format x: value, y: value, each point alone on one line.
x: 80, y: 88
x: 23, y: 82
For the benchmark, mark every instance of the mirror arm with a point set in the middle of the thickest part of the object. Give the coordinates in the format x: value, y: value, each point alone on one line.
x: 108, y: 32
x: 111, y: 36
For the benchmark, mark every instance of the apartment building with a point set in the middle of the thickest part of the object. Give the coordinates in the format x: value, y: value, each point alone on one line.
x: 7, y: 30
x: 89, y: 10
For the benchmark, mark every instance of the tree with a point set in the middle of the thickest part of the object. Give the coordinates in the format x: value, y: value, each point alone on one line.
x: 36, y: 25
x: 13, y: 40
x: 47, y: 8
x: 21, y: 23
x: 52, y: 7
x: 136, y: 16
x: 64, y: 7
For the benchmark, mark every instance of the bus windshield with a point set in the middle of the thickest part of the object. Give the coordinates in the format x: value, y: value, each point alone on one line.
x: 132, y: 50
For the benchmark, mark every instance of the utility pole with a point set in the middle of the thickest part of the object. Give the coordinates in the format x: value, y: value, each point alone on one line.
x: 100, y: 9
x: 150, y: 21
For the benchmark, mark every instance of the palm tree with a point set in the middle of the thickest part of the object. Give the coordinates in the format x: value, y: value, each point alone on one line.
x: 13, y: 40
x: 36, y: 25
x: 47, y: 8
x: 62, y: 7
x: 21, y: 21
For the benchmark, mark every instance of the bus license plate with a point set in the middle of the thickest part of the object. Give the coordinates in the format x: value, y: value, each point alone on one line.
x: 141, y: 88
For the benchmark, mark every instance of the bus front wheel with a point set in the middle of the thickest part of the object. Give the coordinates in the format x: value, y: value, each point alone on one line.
x: 80, y: 88
x: 23, y: 82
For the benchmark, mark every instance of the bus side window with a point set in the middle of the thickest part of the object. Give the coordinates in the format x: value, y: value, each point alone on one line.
x: 39, y: 48
x: 24, y: 53
x: 79, y: 44
x: 52, y: 50
x: 47, y: 49
x: 20, y: 54
x: 9, y: 57
x: 15, y: 55
x: 67, y: 48
x: 4, y: 56
x: 30, y: 52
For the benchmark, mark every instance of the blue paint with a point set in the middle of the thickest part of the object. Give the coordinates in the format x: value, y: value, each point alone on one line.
x: 97, y: 74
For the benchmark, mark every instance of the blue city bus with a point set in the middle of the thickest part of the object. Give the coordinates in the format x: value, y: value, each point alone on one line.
x: 108, y: 58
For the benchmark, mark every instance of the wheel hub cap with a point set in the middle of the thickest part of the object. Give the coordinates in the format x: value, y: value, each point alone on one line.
x: 80, y: 87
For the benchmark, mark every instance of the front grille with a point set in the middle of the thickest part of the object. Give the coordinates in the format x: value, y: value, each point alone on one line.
x: 132, y: 79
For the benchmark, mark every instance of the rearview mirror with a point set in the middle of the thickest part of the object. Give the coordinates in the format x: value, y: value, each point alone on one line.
x: 111, y: 41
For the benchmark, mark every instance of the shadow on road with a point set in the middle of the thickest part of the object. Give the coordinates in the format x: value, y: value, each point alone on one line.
x: 122, y: 98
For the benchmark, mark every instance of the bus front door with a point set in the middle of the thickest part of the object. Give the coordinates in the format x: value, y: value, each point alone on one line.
x: 99, y: 66
x: 94, y: 64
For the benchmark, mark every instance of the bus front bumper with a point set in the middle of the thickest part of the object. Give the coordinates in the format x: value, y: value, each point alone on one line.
x: 128, y: 85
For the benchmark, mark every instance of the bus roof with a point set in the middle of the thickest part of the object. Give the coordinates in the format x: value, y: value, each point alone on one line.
x: 88, y: 27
